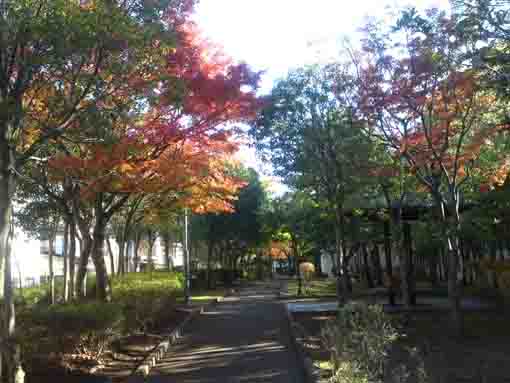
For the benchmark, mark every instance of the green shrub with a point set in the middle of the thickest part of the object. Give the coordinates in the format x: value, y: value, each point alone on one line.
x: 147, y: 298
x: 30, y: 296
x: 83, y: 330
x: 360, y: 341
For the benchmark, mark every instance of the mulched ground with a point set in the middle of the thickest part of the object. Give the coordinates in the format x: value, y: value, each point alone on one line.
x: 482, y: 355
x: 126, y: 354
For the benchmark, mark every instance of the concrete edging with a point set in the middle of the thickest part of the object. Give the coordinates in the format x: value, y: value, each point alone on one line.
x: 159, y: 351
x: 312, y: 373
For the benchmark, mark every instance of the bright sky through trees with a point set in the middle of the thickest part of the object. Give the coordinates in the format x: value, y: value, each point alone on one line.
x: 277, y: 35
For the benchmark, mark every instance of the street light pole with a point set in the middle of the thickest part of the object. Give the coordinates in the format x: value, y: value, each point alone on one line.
x: 186, y: 259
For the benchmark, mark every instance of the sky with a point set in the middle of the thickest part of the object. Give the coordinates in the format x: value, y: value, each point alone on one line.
x: 277, y: 35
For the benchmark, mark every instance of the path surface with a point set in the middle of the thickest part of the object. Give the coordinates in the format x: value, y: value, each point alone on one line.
x: 244, y: 339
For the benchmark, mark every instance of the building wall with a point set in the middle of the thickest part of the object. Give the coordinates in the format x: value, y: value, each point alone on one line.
x: 31, y: 261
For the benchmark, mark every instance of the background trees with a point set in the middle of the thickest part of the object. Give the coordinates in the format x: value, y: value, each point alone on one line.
x: 429, y: 107
x: 234, y: 237
x: 311, y: 132
x: 417, y: 123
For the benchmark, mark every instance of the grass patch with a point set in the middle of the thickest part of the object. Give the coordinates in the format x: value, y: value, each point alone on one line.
x: 324, y: 365
x: 203, y: 296
x: 207, y: 295
x: 314, y: 288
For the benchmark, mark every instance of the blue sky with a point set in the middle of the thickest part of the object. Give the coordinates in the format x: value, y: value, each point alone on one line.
x: 278, y: 35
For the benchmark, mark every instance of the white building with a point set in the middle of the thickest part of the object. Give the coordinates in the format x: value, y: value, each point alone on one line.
x: 31, y: 261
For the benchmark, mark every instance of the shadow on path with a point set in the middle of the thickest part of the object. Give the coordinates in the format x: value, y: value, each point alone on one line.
x: 243, y: 339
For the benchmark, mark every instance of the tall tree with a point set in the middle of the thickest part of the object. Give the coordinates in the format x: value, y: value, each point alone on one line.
x: 311, y: 132
x: 177, y: 147
x: 427, y: 105
x: 54, y: 59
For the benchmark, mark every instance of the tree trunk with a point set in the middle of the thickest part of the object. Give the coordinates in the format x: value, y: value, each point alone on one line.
x: 433, y: 265
x: 462, y: 261
x: 103, y: 289
x: 66, y: 262
x: 366, y: 267
x: 210, y: 250
x: 136, y: 250
x: 300, y: 280
x: 127, y: 244
x: 121, y: 244
x: 85, y: 246
x: 166, y: 249
x: 407, y: 277
x: 151, y: 239
x: 72, y: 258
x: 377, y: 265
x: 453, y: 289
x: 452, y: 245
x: 11, y: 354
x: 51, y: 274
x: 111, y: 257
x: 342, y: 283
x: 82, y: 265
x: 389, y: 262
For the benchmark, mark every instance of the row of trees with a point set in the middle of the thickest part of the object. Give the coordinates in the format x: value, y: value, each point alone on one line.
x: 418, y: 113
x: 114, y: 115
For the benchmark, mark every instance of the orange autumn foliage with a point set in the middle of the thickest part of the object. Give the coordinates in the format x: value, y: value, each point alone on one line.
x: 279, y: 250
x: 177, y: 150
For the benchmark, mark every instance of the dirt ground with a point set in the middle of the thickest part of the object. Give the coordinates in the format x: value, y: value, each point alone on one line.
x: 126, y: 354
x: 482, y: 355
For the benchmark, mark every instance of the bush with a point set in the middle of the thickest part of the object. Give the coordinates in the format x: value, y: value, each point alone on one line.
x: 30, y: 296
x: 83, y: 331
x: 147, y: 298
x: 360, y: 341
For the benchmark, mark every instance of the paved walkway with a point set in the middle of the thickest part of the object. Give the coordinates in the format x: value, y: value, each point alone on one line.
x: 241, y: 340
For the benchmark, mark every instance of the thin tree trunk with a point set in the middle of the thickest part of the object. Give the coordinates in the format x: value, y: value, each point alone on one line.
x: 300, y: 280
x: 402, y: 244
x: 210, y: 250
x: 151, y: 239
x: 342, y: 282
x: 433, y: 268
x: 366, y: 267
x: 121, y: 244
x: 81, y: 274
x: 452, y: 244
x: 103, y: 289
x: 51, y: 274
x: 389, y: 262
x: 462, y: 261
x: 72, y: 258
x: 86, y: 245
x: 7, y: 189
x: 377, y: 265
x: 66, y: 262
x: 123, y: 241
x: 166, y: 249
x: 136, y: 251
x: 407, y: 279
x: 453, y: 289
x: 110, y: 255
x: 11, y: 349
